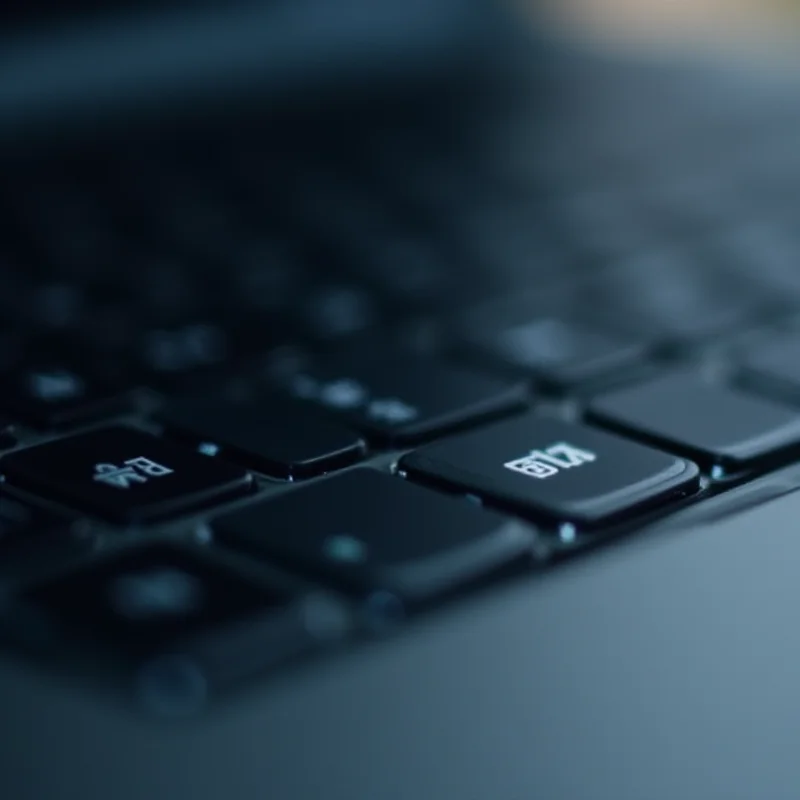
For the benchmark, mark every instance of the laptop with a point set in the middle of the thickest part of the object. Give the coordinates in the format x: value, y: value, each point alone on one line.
x: 417, y: 421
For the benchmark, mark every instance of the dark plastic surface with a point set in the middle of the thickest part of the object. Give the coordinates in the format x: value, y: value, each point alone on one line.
x: 553, y: 471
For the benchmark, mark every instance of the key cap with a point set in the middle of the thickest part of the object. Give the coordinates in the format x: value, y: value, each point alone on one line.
x: 180, y: 623
x: 716, y: 426
x: 554, y: 471
x: 124, y: 475
x: 560, y: 354
x: 367, y: 532
x: 774, y: 367
x: 402, y: 400
x: 54, y: 396
x: 283, y: 439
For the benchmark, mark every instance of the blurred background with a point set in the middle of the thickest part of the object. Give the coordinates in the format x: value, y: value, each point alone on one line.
x: 440, y: 188
x: 760, y: 24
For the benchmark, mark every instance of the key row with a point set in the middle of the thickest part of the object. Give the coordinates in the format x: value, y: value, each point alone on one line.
x: 180, y: 623
x: 183, y: 622
x: 173, y: 625
x: 393, y: 399
x: 528, y: 463
x: 127, y: 476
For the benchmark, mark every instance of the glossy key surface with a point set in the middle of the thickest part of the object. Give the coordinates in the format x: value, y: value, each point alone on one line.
x: 365, y: 531
x: 715, y: 425
x: 124, y: 475
x: 555, y: 471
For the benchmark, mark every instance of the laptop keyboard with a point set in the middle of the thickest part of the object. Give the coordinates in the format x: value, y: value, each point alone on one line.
x: 260, y: 396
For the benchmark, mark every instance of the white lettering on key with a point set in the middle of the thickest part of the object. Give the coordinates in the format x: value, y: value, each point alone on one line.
x: 148, y: 467
x: 565, y: 456
x: 546, y: 463
x: 532, y: 467
x: 134, y: 471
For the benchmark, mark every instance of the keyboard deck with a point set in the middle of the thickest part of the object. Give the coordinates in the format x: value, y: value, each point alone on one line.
x: 265, y: 392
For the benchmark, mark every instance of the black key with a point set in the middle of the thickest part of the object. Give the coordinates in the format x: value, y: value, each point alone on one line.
x: 774, y: 367
x: 561, y: 354
x: 54, y: 396
x: 368, y: 532
x: 402, y: 400
x: 124, y: 475
x: 284, y: 439
x: 718, y: 427
x: 183, y: 624
x: 555, y: 471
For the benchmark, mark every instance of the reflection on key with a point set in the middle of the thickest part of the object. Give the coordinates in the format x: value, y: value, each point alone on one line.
x: 716, y: 426
x: 124, y: 475
x: 555, y: 472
